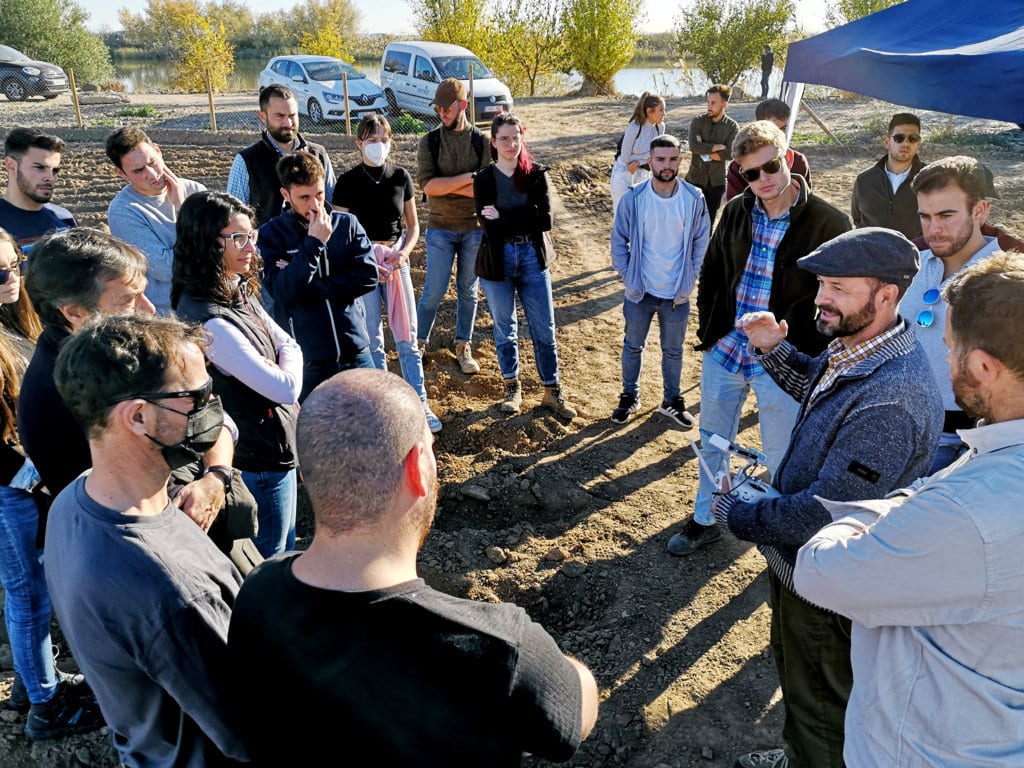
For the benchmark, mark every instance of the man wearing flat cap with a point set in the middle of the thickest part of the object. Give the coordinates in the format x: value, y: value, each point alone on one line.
x: 869, y: 422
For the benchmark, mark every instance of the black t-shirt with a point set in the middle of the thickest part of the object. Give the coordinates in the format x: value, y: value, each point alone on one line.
x: 407, y: 677
x: 377, y: 197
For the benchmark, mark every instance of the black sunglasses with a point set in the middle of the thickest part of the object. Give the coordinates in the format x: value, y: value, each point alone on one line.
x: 200, y: 397
x: 753, y: 174
x: 899, y: 138
x: 5, y: 274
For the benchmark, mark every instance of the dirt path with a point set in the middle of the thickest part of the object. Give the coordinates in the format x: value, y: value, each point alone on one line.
x: 570, y: 521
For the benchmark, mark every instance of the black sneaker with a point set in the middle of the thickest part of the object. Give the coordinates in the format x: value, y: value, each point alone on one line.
x: 675, y: 409
x: 72, y: 710
x: 19, y: 701
x: 628, y: 405
x: 693, y: 537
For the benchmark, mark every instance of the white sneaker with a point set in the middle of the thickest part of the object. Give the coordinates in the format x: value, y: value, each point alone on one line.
x: 433, y: 422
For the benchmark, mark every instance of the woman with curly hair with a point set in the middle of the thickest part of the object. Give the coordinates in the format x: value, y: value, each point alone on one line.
x: 256, y: 365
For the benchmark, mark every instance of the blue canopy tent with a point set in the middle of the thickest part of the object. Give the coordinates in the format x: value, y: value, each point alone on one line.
x: 956, y: 57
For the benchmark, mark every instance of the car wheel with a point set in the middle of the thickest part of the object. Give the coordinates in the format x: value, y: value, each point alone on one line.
x: 392, y: 103
x: 50, y: 95
x: 316, y: 112
x: 15, y: 91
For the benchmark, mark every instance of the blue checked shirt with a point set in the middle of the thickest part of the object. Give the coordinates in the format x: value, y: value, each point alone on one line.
x: 753, y: 292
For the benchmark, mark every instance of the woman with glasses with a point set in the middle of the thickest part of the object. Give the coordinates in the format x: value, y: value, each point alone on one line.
x: 380, y: 195
x: 256, y: 365
x: 514, y: 206
x: 27, y: 609
x: 631, y: 167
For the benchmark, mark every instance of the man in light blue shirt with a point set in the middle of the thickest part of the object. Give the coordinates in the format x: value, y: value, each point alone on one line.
x: 933, y: 581
x: 952, y: 207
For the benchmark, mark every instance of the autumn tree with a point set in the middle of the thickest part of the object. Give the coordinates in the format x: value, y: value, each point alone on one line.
x: 530, y: 47
x: 326, y: 42
x: 205, y: 50
x: 459, y: 22
x: 842, y: 12
x: 55, y: 31
x: 325, y: 25
x: 601, y: 38
x: 726, y: 37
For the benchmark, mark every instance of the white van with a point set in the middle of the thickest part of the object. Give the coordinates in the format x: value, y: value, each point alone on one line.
x: 410, y: 72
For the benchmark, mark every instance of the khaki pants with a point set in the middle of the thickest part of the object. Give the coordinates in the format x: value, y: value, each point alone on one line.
x: 812, y: 656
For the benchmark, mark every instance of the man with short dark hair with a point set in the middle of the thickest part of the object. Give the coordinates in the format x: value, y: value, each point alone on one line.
x: 776, y: 111
x: 952, y: 206
x: 446, y: 160
x: 143, y: 596
x: 932, y: 578
x: 711, y: 137
x: 145, y: 212
x: 767, y: 62
x: 869, y: 423
x: 659, y: 239
x: 32, y: 161
x: 253, y: 176
x: 882, y: 195
x: 365, y: 652
x: 317, y: 263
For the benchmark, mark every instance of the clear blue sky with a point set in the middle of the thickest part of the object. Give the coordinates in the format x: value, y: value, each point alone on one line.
x: 392, y: 16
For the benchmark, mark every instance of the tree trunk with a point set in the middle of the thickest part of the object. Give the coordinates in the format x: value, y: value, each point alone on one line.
x: 597, y: 87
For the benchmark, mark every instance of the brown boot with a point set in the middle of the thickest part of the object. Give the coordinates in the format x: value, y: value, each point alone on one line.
x: 464, y: 355
x: 554, y: 400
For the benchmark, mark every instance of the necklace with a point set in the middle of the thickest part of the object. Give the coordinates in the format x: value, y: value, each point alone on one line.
x: 370, y: 175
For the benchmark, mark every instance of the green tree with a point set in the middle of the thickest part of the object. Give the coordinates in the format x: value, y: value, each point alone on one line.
x: 460, y: 22
x: 326, y: 42
x: 336, y: 21
x: 204, y: 49
x: 844, y: 11
x: 531, y: 47
x: 162, y: 27
x: 55, y: 31
x: 601, y: 37
x: 726, y: 38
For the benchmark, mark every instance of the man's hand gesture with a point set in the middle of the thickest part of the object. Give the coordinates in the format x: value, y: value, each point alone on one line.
x: 763, y: 331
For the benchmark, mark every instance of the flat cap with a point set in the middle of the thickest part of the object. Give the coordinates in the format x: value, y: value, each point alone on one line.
x: 448, y: 92
x: 867, y: 252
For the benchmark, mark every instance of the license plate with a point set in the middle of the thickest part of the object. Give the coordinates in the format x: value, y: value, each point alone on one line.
x: 492, y: 109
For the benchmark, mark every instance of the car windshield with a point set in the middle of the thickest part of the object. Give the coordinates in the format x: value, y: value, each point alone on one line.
x: 332, y: 70
x: 459, y: 67
x: 10, y: 54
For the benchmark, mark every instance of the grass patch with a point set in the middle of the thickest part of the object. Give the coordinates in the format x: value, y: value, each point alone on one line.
x: 407, y: 124
x: 146, y: 110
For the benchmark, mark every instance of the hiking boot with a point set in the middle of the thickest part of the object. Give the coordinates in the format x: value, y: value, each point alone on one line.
x: 554, y: 400
x: 769, y: 758
x: 628, y: 405
x: 19, y: 701
x: 512, y: 400
x: 464, y: 355
x: 73, y: 709
x: 693, y: 537
x: 433, y: 422
x: 675, y: 409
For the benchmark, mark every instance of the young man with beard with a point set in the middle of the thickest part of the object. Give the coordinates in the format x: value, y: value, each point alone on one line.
x: 142, y: 594
x: 882, y: 195
x: 711, y: 137
x: 869, y: 423
x: 659, y: 239
x: 446, y: 160
x: 253, y: 175
x: 32, y: 161
x: 952, y: 208
x: 933, y: 578
x: 365, y: 653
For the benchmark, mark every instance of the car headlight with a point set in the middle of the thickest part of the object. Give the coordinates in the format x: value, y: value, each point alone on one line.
x: 333, y: 98
x: 31, y: 71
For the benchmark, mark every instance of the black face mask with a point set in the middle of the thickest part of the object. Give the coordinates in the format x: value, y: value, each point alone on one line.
x: 201, y: 434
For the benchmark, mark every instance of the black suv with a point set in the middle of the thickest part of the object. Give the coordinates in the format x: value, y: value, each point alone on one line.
x: 21, y: 77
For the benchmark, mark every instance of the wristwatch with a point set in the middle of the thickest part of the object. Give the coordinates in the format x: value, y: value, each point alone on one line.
x: 221, y: 471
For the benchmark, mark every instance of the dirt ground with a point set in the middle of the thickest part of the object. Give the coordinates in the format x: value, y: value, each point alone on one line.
x: 569, y: 520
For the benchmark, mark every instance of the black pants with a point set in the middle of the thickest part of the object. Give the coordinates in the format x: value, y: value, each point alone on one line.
x: 713, y: 197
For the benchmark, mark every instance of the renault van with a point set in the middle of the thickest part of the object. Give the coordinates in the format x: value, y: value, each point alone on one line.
x: 410, y: 72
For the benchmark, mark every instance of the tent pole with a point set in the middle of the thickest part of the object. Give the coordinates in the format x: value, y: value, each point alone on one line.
x: 815, y: 118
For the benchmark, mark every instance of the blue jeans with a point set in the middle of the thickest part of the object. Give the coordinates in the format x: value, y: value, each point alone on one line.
x: 27, y: 601
x: 410, y: 358
x: 315, y: 372
x: 523, y: 275
x: 722, y: 395
x: 671, y: 331
x: 443, y: 247
x: 276, y: 495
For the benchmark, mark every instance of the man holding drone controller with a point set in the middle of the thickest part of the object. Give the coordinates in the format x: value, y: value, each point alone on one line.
x: 869, y: 423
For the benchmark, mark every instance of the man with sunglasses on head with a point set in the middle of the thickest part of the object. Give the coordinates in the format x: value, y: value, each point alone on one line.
x: 952, y: 205
x: 751, y: 266
x: 446, y: 160
x: 143, y: 596
x: 882, y: 195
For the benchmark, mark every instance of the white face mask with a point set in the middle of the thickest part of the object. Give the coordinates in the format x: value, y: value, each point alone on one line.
x: 376, y: 152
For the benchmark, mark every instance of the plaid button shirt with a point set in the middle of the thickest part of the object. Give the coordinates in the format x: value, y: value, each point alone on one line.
x: 841, y: 359
x: 753, y: 292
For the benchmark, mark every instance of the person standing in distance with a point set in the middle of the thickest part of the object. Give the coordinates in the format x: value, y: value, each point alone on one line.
x: 711, y: 137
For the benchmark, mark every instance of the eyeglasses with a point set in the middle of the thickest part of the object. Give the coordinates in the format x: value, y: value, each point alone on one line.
x: 772, y: 166
x: 5, y: 274
x: 899, y: 138
x: 239, y: 239
x: 926, y: 316
x: 200, y: 397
